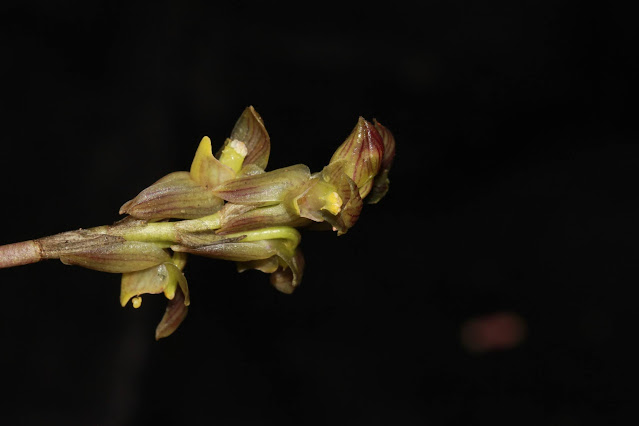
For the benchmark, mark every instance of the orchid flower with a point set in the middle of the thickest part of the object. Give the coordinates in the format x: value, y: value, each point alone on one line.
x: 228, y: 207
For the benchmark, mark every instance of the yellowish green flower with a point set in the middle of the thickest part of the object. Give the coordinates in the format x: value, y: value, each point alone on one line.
x: 166, y: 278
x: 228, y: 207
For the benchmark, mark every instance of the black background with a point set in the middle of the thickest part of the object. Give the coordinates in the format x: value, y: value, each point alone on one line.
x: 513, y: 189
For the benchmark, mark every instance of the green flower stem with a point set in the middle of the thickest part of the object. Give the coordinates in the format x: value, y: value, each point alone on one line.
x: 152, y: 232
x: 291, y: 236
x: 167, y: 232
x: 206, y: 223
x: 163, y: 234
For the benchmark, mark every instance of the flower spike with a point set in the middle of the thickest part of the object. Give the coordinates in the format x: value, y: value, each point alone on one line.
x: 226, y: 207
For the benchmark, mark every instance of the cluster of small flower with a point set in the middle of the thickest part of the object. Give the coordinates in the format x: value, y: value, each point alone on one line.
x: 228, y: 207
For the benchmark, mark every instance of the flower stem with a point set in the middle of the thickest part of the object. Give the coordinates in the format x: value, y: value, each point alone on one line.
x: 206, y: 223
x: 290, y: 235
x: 162, y: 233
x: 168, y: 232
x: 152, y: 232
x: 18, y: 254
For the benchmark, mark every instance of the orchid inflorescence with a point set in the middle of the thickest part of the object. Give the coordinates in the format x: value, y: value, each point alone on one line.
x: 225, y: 207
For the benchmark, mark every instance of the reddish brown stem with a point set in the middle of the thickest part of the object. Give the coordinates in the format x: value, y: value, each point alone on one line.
x: 18, y: 254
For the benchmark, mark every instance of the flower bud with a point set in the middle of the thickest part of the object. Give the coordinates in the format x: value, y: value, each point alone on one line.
x: 360, y: 155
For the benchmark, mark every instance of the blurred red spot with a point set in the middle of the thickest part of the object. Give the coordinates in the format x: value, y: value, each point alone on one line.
x: 499, y: 331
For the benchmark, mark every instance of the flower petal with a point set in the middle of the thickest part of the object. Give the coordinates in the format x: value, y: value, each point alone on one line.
x: 206, y: 170
x: 233, y: 251
x: 267, y: 266
x: 175, y: 196
x: 349, y: 194
x: 153, y: 280
x: 175, y: 313
x: 250, y: 169
x: 175, y: 275
x: 362, y: 154
x: 263, y: 188
x: 118, y: 257
x: 381, y: 182
x: 316, y: 196
x: 260, y: 255
x: 250, y: 129
x: 239, y: 220
x: 389, y: 145
x: 288, y: 277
